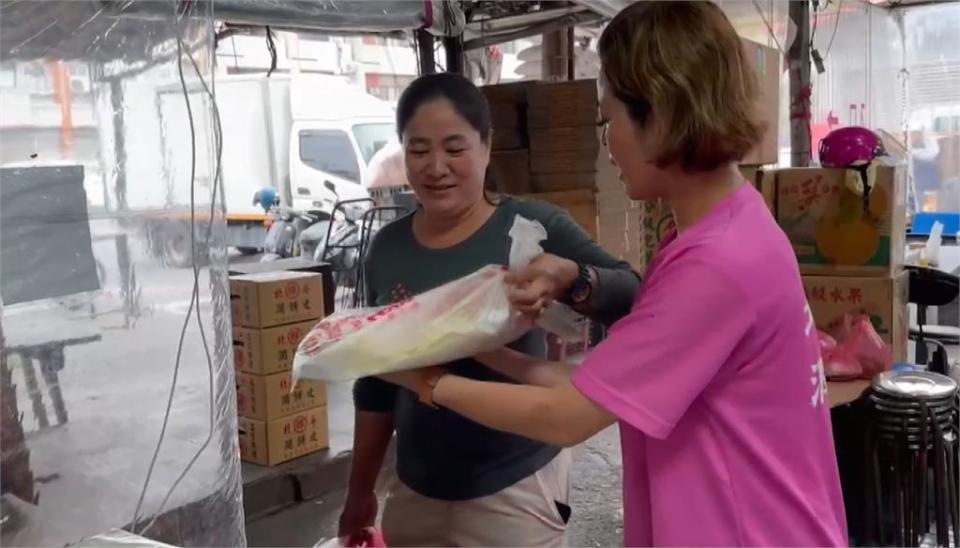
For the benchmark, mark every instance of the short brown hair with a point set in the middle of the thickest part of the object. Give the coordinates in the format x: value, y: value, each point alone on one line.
x: 683, y: 62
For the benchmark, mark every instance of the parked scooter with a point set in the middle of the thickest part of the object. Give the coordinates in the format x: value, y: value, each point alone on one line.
x: 283, y: 237
x: 341, y: 247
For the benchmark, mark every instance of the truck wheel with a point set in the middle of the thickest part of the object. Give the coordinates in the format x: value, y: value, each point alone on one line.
x: 175, y: 247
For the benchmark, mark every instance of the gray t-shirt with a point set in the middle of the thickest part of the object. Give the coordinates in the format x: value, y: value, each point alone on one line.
x: 441, y: 454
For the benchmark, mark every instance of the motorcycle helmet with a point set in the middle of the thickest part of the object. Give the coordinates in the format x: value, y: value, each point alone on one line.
x: 850, y: 147
x: 266, y: 197
x: 853, y: 148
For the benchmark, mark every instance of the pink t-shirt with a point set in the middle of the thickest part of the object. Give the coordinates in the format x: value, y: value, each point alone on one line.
x: 717, y: 381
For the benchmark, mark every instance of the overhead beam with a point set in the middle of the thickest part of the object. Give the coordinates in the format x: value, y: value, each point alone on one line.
x: 533, y: 30
x: 515, y: 22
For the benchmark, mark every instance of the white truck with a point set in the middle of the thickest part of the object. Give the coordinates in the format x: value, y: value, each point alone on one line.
x: 292, y: 133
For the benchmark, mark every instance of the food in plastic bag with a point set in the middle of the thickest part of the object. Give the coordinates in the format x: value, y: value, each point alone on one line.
x: 853, y: 349
x: 459, y: 319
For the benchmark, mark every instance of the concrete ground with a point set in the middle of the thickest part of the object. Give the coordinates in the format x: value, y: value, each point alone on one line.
x: 595, y: 498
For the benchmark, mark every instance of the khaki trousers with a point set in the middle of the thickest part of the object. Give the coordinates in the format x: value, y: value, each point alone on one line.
x: 525, y: 514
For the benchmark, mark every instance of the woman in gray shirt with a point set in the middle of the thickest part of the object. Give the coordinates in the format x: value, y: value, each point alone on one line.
x: 460, y: 483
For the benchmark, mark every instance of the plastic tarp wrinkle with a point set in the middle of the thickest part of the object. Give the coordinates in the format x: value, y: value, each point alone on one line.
x: 96, y: 199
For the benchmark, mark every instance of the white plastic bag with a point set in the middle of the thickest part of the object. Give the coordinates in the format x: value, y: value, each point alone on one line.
x: 931, y: 251
x: 459, y: 319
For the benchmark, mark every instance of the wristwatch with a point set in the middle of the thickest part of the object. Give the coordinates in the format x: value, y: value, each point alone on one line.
x: 582, y: 287
x: 430, y: 377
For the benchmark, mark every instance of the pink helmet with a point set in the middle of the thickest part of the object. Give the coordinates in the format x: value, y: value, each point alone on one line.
x: 850, y: 146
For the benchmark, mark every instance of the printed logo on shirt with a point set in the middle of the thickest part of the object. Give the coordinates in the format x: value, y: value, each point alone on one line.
x: 400, y: 293
x: 818, y: 378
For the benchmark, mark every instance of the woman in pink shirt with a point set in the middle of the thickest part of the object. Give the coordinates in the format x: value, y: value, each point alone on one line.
x: 715, y: 376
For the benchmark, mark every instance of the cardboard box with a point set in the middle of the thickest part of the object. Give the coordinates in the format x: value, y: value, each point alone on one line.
x: 275, y: 298
x: 504, y: 117
x: 268, y: 397
x: 512, y: 170
x: 267, y: 351
x: 883, y: 299
x: 564, y: 139
x: 580, y: 204
x: 514, y: 93
x: 272, y: 442
x: 570, y: 92
x: 573, y: 161
x: 656, y: 220
x: 766, y: 62
x: 294, y: 264
x: 561, y: 115
x: 556, y: 182
x: 766, y: 183
x: 508, y: 139
x: 831, y: 231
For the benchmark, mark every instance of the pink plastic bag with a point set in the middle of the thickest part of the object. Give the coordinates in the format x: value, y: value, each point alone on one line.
x: 463, y: 318
x: 853, y: 349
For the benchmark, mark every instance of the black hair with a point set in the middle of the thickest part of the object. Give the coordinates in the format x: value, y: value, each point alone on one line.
x: 467, y: 100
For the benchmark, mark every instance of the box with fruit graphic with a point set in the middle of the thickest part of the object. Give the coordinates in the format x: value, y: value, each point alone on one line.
x: 882, y: 299
x: 837, y: 230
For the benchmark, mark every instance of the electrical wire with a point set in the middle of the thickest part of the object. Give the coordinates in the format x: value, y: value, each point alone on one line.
x: 836, y: 25
x: 817, y: 10
x: 272, y: 48
x: 195, y: 293
x: 218, y: 139
x: 756, y: 5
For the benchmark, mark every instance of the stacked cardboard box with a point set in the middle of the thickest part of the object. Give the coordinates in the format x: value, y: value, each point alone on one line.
x: 272, y: 312
x: 562, y: 129
x: 850, y: 251
x: 545, y: 144
x: 510, y: 157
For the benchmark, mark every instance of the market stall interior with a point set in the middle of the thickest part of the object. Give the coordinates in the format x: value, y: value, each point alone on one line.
x: 151, y: 309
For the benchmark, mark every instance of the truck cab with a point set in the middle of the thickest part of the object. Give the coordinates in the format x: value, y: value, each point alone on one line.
x: 335, y: 132
x: 338, y: 151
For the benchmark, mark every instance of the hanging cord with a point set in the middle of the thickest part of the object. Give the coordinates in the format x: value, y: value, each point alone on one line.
x: 272, y: 48
x: 836, y: 25
x: 195, y: 292
x: 756, y: 5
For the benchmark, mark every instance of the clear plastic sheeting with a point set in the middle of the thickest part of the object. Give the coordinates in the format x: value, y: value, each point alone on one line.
x: 86, y: 31
x: 332, y: 15
x: 129, y: 29
x: 98, y: 323
x: 118, y: 538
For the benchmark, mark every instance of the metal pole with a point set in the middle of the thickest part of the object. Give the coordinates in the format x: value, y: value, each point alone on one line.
x: 119, y: 143
x: 428, y: 64
x: 454, y: 48
x: 798, y: 62
x: 571, y: 55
